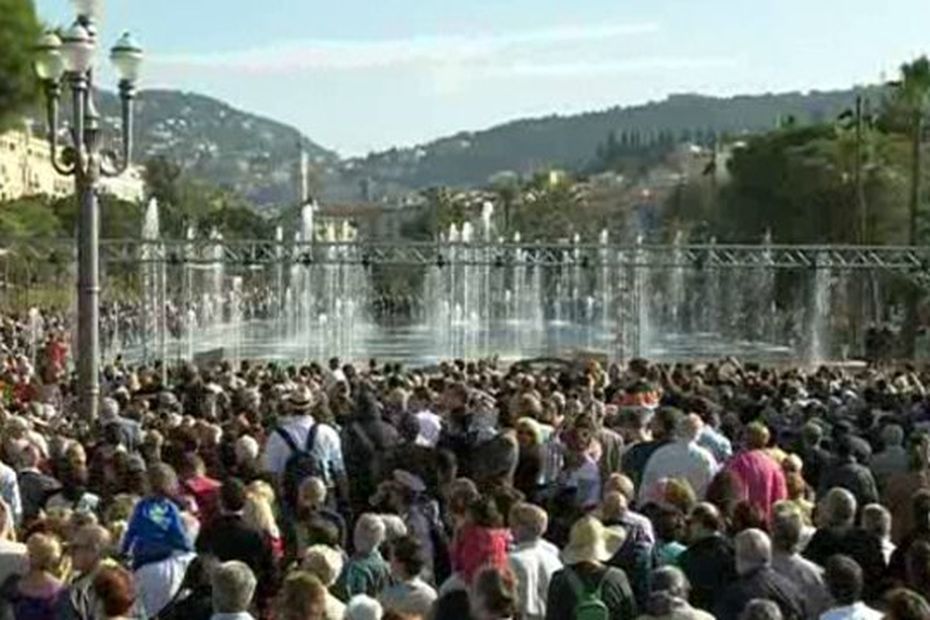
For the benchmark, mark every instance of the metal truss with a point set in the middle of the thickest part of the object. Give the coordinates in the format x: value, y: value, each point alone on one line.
x: 913, y: 261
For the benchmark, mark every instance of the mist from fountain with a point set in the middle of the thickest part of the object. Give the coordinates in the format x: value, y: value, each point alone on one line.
x: 154, y: 324
x: 483, y: 298
x: 818, y: 319
x: 676, y: 286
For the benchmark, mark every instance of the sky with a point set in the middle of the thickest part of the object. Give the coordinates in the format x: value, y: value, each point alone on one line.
x: 364, y: 75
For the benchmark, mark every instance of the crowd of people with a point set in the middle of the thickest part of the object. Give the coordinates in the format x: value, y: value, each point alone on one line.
x: 472, y: 491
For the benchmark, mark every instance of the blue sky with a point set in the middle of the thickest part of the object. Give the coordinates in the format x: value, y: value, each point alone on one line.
x: 360, y: 75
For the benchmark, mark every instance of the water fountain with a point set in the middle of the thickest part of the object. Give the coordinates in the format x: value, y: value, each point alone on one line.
x: 480, y: 298
x: 818, y: 319
x: 154, y: 320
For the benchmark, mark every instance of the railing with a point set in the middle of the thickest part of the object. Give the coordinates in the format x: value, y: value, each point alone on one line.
x: 911, y: 260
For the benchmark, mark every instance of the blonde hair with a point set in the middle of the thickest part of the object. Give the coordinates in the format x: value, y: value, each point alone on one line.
x: 529, y: 518
x: 117, y: 529
x: 531, y: 426
x: 301, y: 595
x: 324, y: 562
x: 44, y: 552
x: 120, y: 508
x: 258, y: 511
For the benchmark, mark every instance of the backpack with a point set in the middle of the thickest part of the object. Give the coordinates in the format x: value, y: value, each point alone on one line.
x: 300, y: 465
x: 588, y: 603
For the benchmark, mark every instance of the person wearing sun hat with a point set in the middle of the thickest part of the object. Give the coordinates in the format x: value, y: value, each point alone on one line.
x: 297, y: 424
x: 590, y: 545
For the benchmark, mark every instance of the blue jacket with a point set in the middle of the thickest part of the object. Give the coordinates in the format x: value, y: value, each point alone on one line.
x: 155, y: 532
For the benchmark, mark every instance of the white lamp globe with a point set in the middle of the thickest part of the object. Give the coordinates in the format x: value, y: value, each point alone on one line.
x: 77, y: 49
x: 126, y: 56
x: 49, y: 64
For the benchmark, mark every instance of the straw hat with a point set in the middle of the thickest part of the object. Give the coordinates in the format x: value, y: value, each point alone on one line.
x: 590, y: 541
x: 299, y: 400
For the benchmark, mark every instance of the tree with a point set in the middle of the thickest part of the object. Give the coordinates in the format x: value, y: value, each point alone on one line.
x: 19, y: 31
x: 912, y: 97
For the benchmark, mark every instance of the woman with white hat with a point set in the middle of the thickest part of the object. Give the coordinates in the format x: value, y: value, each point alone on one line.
x: 586, y: 584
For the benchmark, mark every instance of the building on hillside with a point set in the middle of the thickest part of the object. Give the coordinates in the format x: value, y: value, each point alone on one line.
x: 373, y: 221
x: 26, y: 170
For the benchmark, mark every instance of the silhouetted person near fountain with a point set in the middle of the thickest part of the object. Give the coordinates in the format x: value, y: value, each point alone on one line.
x: 368, y: 442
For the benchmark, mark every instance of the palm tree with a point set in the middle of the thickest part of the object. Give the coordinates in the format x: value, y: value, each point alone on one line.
x: 912, y: 96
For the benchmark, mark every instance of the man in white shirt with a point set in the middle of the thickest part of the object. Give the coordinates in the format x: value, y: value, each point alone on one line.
x: 428, y: 423
x: 683, y: 458
x: 327, y: 447
x: 844, y: 579
x: 533, y: 560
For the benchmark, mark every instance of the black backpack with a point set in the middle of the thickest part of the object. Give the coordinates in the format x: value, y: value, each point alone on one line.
x: 300, y: 465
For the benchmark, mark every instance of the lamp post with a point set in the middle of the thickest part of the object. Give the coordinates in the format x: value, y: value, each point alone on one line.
x: 69, y: 61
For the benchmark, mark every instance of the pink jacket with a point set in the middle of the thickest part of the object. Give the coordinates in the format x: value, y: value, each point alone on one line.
x: 763, y: 479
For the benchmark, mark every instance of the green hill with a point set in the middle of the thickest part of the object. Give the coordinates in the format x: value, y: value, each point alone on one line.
x: 523, y: 146
x: 213, y: 141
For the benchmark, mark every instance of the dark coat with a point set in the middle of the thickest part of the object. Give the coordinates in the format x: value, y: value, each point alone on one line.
x: 855, y: 478
x: 229, y: 537
x: 616, y: 593
x: 35, y: 488
x: 863, y: 547
x: 710, y: 566
x: 761, y: 583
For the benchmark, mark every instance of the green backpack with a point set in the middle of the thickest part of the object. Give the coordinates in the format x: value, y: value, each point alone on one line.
x: 588, y: 603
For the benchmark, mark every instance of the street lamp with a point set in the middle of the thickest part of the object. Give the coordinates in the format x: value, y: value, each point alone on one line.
x: 69, y: 60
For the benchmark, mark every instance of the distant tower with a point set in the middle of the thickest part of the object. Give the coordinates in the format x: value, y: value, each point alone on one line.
x: 303, y: 175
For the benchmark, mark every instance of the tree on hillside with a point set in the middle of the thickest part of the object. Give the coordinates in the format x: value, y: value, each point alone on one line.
x: 19, y: 31
x: 911, y: 96
x: 185, y: 201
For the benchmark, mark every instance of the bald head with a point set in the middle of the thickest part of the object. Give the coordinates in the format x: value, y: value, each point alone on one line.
x: 753, y: 550
x: 838, y: 508
x: 689, y: 427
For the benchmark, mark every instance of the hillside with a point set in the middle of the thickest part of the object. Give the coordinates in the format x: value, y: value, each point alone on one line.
x: 469, y: 158
x: 216, y: 142
x: 258, y: 156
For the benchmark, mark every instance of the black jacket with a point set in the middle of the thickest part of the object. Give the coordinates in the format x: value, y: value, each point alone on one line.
x: 35, y: 488
x: 761, y: 583
x: 229, y: 537
x: 858, y: 544
x: 855, y: 478
x: 710, y: 567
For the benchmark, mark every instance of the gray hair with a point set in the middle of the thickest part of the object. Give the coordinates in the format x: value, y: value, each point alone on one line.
x: 370, y: 532
x: 362, y: 607
x: 892, y: 435
x: 672, y: 580
x: 761, y: 609
x: 689, y: 427
x: 787, y: 527
x: 233, y: 587
x: 876, y: 520
x: 753, y: 550
x: 246, y: 449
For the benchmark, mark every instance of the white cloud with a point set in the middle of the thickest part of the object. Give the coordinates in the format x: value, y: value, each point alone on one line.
x: 481, y: 48
x: 631, y: 65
